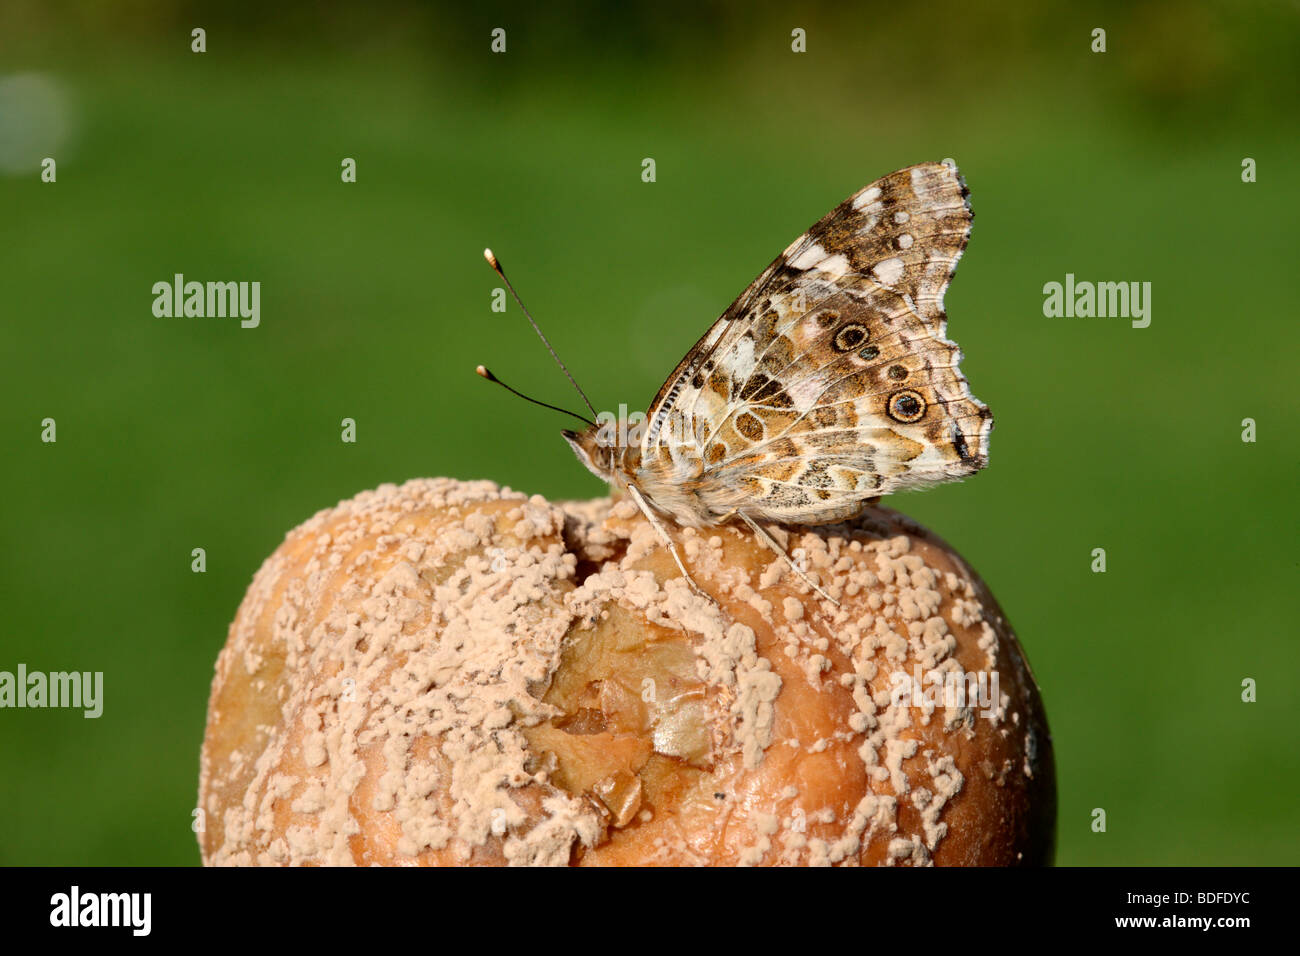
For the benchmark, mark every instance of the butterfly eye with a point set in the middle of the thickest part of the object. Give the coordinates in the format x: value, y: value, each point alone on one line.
x: 906, y: 406
x: 849, y: 337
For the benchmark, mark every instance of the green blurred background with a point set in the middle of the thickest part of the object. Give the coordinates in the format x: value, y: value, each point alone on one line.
x: 182, y: 433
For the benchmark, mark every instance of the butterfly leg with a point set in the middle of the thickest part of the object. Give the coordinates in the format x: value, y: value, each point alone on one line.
x: 771, y: 542
x: 668, y: 542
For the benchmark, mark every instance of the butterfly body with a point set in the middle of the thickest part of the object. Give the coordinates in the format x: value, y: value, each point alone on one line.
x: 828, y: 383
x: 673, y: 486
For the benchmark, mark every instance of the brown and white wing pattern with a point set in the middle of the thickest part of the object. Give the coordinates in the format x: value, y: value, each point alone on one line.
x: 829, y: 381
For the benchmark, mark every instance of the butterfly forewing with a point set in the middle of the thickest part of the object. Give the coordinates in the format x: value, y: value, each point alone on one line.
x: 829, y: 380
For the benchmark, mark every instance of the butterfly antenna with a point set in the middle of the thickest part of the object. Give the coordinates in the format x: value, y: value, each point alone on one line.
x: 492, y: 261
x: 555, y: 408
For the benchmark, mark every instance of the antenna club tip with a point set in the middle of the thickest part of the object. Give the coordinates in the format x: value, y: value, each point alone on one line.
x: 491, y: 259
x: 484, y: 373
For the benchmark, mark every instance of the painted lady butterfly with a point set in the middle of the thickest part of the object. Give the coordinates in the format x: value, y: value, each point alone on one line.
x: 825, y: 385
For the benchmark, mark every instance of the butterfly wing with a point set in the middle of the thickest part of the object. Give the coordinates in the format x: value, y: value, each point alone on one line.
x: 830, y: 380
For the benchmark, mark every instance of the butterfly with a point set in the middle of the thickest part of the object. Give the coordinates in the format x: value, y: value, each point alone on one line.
x: 825, y: 385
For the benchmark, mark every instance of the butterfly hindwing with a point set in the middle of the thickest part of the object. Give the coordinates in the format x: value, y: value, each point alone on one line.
x: 829, y: 380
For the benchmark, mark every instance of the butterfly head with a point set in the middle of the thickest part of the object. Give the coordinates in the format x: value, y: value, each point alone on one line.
x: 602, y: 458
